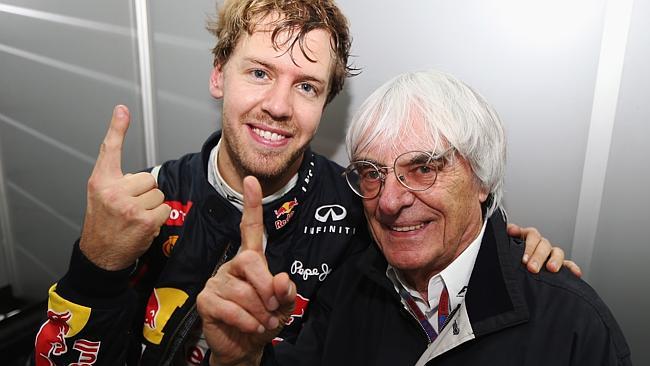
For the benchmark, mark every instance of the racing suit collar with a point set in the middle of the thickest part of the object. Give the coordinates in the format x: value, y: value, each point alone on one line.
x: 276, y: 213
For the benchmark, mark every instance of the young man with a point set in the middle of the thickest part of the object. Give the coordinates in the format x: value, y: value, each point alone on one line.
x: 151, y: 240
x: 442, y: 284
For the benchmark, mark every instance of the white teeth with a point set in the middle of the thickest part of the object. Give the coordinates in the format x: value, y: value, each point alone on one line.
x: 407, y: 228
x: 268, y: 135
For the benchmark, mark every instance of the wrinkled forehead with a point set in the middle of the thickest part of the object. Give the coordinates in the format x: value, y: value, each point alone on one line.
x: 410, y: 132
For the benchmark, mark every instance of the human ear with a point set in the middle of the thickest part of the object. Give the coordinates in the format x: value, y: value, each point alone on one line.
x: 483, y: 194
x: 216, y: 82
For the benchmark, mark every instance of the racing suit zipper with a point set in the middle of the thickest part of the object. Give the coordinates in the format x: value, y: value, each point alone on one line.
x: 186, y: 324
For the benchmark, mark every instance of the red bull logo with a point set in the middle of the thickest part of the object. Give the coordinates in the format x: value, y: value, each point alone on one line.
x: 298, y: 312
x: 195, y: 356
x: 50, y: 339
x: 161, y: 305
x: 153, y: 308
x: 178, y: 212
x: 64, y: 320
x: 285, y: 210
x: 299, y: 309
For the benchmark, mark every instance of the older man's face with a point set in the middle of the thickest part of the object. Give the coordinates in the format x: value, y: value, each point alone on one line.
x: 422, y: 232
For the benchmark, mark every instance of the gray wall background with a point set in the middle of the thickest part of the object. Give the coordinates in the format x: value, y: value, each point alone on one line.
x: 544, y: 66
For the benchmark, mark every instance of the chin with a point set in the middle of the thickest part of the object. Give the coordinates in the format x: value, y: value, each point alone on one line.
x: 405, y: 261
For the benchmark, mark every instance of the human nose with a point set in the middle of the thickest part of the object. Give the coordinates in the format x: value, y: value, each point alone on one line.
x: 394, y: 196
x: 278, y: 101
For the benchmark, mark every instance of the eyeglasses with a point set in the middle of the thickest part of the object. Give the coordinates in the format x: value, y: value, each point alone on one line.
x: 415, y: 170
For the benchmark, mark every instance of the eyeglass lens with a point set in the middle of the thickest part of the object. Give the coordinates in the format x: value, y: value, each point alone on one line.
x: 416, y: 170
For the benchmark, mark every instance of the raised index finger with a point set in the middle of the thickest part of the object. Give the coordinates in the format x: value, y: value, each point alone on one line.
x: 252, y: 224
x: 109, y: 160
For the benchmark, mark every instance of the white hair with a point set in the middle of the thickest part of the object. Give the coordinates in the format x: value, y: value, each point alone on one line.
x: 454, y: 115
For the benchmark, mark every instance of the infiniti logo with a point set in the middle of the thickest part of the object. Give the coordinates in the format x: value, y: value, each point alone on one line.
x: 330, y: 212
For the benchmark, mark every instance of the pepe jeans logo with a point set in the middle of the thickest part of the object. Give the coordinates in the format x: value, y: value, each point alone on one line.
x: 330, y: 212
x: 298, y: 268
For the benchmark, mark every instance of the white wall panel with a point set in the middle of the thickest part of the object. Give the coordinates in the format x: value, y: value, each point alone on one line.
x: 534, y: 61
x: 619, y: 269
x: 63, y: 66
x: 186, y: 113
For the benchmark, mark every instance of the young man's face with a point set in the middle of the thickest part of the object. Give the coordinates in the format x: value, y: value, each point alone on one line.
x: 272, y: 106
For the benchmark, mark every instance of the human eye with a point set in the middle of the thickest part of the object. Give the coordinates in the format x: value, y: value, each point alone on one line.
x: 421, y: 167
x: 367, y: 172
x: 308, y: 89
x: 372, y: 174
x: 424, y: 169
x: 259, y: 74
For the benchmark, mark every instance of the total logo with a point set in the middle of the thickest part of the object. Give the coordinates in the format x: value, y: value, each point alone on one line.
x: 285, y: 210
x: 329, y: 215
x: 178, y: 212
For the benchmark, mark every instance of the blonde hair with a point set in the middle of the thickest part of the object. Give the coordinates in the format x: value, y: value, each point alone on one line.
x: 296, y: 18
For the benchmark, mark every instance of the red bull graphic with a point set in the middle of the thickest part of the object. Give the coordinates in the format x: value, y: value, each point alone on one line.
x: 298, y: 312
x: 161, y: 305
x: 195, y: 356
x: 299, y: 309
x: 50, y: 340
x: 285, y: 210
x: 178, y: 212
x: 153, y: 308
x: 168, y: 245
x: 64, y: 320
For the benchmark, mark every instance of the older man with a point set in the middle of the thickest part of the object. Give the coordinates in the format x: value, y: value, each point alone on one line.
x: 442, y: 285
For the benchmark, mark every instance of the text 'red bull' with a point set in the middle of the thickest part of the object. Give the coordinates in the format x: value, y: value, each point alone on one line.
x: 285, y: 210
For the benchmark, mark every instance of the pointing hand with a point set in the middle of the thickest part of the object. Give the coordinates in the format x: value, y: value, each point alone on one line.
x: 244, y: 306
x: 123, y: 212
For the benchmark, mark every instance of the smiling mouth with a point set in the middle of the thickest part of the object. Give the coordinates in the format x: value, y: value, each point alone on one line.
x: 407, y: 228
x: 268, y: 135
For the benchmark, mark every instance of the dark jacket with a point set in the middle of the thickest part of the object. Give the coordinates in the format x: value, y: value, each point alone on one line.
x: 508, y: 317
x: 111, y: 316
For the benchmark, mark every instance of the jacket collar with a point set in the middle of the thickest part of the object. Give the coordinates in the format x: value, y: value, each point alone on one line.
x: 277, y: 214
x: 494, y: 299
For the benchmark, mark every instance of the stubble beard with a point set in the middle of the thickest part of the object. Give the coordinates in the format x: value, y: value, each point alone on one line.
x: 268, y: 167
